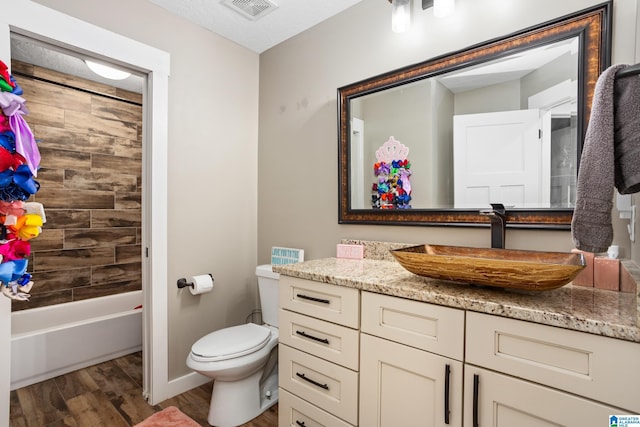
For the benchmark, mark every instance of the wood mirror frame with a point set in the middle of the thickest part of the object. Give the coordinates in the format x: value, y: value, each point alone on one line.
x: 593, y: 28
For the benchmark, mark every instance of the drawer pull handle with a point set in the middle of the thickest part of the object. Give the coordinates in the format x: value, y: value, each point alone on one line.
x: 301, y: 423
x: 447, y: 375
x: 476, y: 381
x: 311, y: 337
x: 316, y: 383
x: 307, y: 297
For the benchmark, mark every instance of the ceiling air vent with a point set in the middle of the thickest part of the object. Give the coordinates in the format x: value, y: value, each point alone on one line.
x: 251, y: 9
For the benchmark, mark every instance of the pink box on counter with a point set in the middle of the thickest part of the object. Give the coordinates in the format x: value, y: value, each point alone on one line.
x: 606, y: 273
x: 349, y: 251
x: 585, y: 278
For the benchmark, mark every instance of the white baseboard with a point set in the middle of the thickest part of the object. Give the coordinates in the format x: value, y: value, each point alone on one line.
x: 185, y: 383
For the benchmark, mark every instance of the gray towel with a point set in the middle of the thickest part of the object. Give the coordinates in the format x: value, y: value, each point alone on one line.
x: 591, y: 225
x: 627, y: 134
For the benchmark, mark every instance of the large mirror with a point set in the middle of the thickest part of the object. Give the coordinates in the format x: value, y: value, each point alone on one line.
x: 501, y: 122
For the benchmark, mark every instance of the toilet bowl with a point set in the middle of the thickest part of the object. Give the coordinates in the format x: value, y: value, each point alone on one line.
x: 243, y: 361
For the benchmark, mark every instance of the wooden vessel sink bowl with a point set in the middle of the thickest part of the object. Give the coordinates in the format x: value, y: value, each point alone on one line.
x: 504, y: 268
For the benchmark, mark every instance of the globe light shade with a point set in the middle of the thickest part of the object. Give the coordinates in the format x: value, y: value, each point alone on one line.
x: 106, y: 71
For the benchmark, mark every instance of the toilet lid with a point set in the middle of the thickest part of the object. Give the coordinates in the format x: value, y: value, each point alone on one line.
x: 231, y: 342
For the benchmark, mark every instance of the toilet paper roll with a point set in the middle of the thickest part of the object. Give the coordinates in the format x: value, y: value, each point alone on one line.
x: 201, y: 284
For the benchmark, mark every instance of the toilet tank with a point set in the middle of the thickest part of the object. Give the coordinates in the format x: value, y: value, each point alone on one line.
x: 268, y: 288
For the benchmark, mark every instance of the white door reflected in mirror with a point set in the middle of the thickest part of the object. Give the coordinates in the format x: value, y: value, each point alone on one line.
x: 497, y: 159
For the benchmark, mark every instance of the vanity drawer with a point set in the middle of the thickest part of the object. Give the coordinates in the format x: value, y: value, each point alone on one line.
x: 324, y: 384
x: 601, y: 368
x: 332, y: 303
x: 335, y: 343
x: 418, y: 324
x: 295, y: 412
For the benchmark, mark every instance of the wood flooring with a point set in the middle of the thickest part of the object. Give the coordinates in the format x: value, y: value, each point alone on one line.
x: 107, y: 395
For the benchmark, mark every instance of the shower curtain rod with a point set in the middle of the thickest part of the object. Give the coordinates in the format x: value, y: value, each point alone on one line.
x: 631, y: 70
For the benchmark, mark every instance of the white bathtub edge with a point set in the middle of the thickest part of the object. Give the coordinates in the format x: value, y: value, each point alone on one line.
x: 40, y: 356
x: 70, y: 368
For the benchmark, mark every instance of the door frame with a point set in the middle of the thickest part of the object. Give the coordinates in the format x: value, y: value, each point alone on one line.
x: 50, y: 26
x: 358, y: 200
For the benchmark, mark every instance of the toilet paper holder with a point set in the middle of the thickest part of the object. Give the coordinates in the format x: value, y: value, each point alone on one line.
x: 182, y: 282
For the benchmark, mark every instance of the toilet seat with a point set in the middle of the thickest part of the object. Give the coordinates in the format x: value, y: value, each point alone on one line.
x: 229, y: 343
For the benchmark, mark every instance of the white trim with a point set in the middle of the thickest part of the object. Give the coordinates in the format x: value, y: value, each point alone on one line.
x: 5, y: 303
x: 156, y: 325
x: 186, y: 382
x: 42, y: 23
x: 5, y: 355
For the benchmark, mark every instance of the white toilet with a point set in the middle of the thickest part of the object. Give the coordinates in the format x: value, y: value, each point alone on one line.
x: 243, y: 361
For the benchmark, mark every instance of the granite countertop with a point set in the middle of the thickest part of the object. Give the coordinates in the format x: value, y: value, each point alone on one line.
x: 595, y: 311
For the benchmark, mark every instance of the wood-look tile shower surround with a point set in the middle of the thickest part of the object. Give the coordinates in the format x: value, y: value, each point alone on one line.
x: 90, y: 185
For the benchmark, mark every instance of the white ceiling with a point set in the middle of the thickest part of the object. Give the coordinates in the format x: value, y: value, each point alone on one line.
x: 289, y: 18
x: 285, y: 20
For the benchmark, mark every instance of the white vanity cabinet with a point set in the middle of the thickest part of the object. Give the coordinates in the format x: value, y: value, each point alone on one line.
x: 527, y: 374
x: 351, y: 357
x: 318, y: 354
x: 410, y: 363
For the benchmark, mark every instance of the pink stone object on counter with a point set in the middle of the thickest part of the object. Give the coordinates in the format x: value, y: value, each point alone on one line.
x: 585, y: 277
x: 606, y: 273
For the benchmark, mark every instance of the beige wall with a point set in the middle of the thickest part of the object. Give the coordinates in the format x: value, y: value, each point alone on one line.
x: 222, y: 190
x: 212, y: 193
x: 297, y: 197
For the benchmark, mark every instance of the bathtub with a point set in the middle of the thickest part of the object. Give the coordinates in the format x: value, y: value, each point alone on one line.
x: 53, y: 340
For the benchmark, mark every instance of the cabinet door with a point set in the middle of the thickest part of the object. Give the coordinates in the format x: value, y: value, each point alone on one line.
x: 599, y: 368
x: 500, y: 400
x: 404, y: 386
x: 296, y: 412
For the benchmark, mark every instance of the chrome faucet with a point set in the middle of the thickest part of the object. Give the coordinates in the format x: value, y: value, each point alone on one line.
x: 498, y: 216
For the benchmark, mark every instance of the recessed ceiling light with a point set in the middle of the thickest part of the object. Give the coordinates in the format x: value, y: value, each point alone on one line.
x: 107, y: 71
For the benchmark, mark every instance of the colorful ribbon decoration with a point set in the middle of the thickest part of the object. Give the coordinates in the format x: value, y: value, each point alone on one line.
x: 393, y: 187
x: 19, y: 163
x: 13, y: 106
x: 15, y: 208
x: 11, y: 271
x: 15, y: 250
x: 27, y: 227
x: 7, y: 139
x: 18, y: 185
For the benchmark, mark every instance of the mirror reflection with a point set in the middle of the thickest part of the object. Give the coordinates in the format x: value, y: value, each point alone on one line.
x: 500, y: 132
x: 499, y: 122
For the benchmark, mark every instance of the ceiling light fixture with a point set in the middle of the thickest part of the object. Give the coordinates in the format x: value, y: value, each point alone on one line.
x: 401, y: 12
x: 400, y: 15
x: 441, y: 8
x: 107, y: 71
